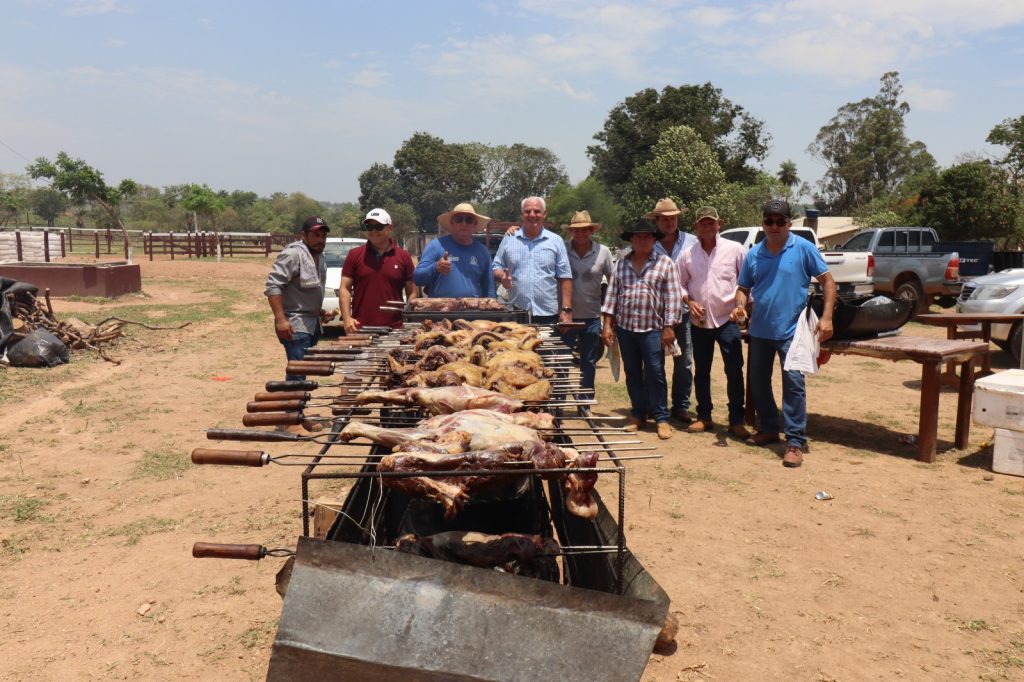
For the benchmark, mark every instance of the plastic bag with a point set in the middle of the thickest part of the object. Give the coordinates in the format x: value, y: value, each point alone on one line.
x: 39, y: 349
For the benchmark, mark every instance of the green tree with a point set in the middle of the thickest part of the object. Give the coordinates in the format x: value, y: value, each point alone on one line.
x: 512, y: 173
x: 1010, y: 134
x: 81, y: 183
x: 292, y: 209
x: 590, y: 195
x: 739, y: 204
x: 203, y: 201
x: 866, y: 150
x: 633, y: 128
x: 683, y: 168
x: 47, y: 204
x: 787, y: 174
x: 434, y: 175
x: 378, y: 185
x: 971, y: 200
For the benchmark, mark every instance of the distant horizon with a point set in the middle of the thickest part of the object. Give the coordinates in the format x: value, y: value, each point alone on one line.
x: 271, y: 98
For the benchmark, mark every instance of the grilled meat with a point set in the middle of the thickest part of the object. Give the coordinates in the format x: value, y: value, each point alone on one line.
x: 444, y: 400
x: 458, y: 432
x: 448, y: 305
x: 526, y: 555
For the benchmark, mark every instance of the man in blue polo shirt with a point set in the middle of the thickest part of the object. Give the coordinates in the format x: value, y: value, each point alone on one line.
x: 456, y: 265
x: 775, y: 275
x: 533, y: 266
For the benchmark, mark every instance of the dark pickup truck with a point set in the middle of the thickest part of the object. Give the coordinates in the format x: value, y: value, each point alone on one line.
x: 909, y: 263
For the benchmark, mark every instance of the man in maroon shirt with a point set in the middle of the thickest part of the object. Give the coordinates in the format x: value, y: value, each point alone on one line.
x: 378, y: 272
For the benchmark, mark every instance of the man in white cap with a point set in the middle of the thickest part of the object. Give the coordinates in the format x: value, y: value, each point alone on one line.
x: 591, y: 262
x: 373, y: 274
x: 674, y: 243
x: 455, y: 265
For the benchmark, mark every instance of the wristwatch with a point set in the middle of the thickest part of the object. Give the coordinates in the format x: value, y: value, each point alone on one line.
x: 566, y: 310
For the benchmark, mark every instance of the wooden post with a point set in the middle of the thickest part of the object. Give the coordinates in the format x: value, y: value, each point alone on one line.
x: 266, y: 246
x: 928, y: 428
x: 148, y: 243
x: 963, y: 403
x: 110, y: 241
x: 46, y: 245
x: 170, y: 235
x: 126, y: 249
x: 231, y: 246
x: 63, y: 252
x: 96, y: 236
x: 17, y: 245
x: 71, y: 239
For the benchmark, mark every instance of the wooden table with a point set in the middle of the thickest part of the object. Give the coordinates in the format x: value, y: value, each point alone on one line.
x: 931, y: 354
x: 951, y: 321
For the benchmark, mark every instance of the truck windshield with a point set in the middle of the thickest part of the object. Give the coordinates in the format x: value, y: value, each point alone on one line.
x: 858, y: 242
x: 335, y: 253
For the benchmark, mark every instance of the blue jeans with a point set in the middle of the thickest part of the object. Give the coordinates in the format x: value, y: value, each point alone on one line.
x: 296, y: 350
x: 730, y: 345
x: 794, y: 395
x: 682, y: 376
x: 589, y: 339
x: 643, y: 359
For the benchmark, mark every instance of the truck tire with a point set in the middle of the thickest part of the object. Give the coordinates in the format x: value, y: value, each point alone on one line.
x: 912, y: 291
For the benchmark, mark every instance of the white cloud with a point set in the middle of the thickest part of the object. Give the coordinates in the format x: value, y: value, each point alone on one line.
x: 370, y: 77
x: 712, y: 17
x: 927, y: 99
x: 81, y: 8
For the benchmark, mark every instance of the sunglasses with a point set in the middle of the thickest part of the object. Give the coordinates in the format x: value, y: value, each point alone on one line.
x: 778, y: 222
x: 373, y: 227
x: 463, y: 218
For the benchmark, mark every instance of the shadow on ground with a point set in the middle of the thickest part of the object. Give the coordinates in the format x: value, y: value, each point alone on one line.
x: 862, y: 435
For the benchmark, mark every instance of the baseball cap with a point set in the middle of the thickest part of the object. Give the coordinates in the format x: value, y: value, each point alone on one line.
x: 776, y: 207
x: 313, y: 223
x: 379, y: 215
x: 705, y: 212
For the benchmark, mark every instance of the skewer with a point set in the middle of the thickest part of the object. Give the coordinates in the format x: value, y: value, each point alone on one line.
x: 258, y: 458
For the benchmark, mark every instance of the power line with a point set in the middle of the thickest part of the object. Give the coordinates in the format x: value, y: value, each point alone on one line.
x: 15, y: 151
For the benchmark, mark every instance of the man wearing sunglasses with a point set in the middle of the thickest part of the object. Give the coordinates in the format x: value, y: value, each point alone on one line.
x: 373, y: 274
x: 776, y: 274
x: 455, y: 265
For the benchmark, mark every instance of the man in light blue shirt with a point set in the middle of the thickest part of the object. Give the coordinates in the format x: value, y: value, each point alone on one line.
x: 533, y: 266
x: 674, y: 243
x: 456, y: 265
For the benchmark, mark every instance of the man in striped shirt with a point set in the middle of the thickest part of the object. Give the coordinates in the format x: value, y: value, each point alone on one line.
x: 708, y: 274
x: 643, y: 305
x: 533, y: 266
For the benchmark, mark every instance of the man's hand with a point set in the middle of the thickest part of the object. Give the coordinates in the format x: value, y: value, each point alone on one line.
x: 443, y: 266
x: 738, y: 315
x: 511, y: 231
x: 564, y: 318
x: 697, y: 312
x: 824, y: 329
x: 327, y: 315
x: 352, y: 325
x: 668, y: 335
x: 607, y: 337
x: 505, y: 277
x: 283, y: 328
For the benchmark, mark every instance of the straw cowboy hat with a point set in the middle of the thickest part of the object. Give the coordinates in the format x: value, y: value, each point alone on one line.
x: 663, y: 207
x: 445, y: 219
x: 581, y: 219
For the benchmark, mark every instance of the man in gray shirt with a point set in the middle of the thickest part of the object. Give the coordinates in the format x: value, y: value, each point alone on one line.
x: 590, y: 262
x: 295, y: 290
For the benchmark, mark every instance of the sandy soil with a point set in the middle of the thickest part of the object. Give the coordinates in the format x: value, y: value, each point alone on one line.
x: 913, y: 571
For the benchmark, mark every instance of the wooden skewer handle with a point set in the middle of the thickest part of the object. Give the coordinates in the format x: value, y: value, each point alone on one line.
x: 283, y: 395
x: 250, y: 435
x: 274, y: 405
x: 272, y: 419
x: 216, y: 550
x: 296, y: 385
x: 317, y: 370
x: 234, y: 458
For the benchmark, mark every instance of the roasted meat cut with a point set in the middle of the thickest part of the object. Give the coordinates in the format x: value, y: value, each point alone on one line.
x: 458, y: 432
x: 449, y: 305
x: 444, y: 400
x: 526, y: 555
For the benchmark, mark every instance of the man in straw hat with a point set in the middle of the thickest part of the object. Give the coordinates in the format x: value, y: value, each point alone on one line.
x: 456, y: 265
x: 533, y: 266
x: 674, y: 243
x: 777, y: 272
x: 707, y: 274
x: 590, y: 262
x: 642, y: 309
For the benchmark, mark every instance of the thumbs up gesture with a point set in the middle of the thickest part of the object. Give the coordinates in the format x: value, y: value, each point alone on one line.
x: 444, y: 266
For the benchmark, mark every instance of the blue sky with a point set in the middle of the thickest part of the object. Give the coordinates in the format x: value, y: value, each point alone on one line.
x: 305, y: 96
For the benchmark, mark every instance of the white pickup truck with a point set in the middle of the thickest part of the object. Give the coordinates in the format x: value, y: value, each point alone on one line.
x: 853, y: 271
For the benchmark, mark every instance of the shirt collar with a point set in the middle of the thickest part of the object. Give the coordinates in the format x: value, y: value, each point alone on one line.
x: 522, y: 234
x: 594, y: 246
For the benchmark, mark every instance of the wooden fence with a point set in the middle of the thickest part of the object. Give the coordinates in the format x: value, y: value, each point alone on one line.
x: 42, y: 246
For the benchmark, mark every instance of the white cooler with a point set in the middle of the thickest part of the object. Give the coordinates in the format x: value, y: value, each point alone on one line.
x: 1008, y: 452
x: 999, y: 400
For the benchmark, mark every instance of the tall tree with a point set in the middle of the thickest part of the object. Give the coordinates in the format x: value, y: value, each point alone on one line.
x: 435, y: 175
x: 1010, y: 134
x: 378, y: 185
x: 81, y: 183
x: 866, y: 150
x: 590, y: 195
x: 787, y: 173
x: 201, y: 200
x: 683, y: 168
x: 633, y: 128
x: 47, y: 204
x: 512, y: 173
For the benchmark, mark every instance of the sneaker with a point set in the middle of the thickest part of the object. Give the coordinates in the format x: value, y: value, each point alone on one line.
x: 634, y: 424
x: 793, y: 457
x: 701, y: 426
x: 763, y: 439
x: 682, y: 416
x: 664, y: 430
x: 739, y: 431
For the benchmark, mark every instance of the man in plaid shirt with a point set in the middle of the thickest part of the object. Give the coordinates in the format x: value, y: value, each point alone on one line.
x: 643, y: 305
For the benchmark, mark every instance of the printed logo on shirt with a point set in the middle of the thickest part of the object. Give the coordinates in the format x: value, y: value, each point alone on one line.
x: 473, y: 261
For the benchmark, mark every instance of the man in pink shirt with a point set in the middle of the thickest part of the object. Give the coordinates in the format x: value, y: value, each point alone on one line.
x: 708, y: 274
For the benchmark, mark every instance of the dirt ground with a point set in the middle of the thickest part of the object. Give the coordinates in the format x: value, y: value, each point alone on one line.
x: 912, y: 571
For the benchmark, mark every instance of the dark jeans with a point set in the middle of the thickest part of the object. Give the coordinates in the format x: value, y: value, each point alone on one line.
x: 794, y: 397
x: 682, y: 376
x: 730, y: 345
x: 590, y: 340
x: 296, y: 350
x: 643, y: 359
